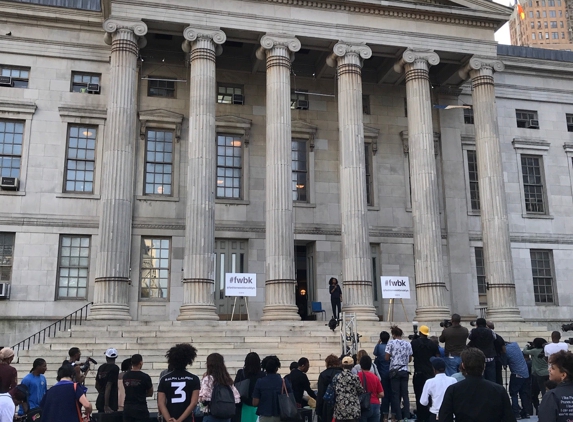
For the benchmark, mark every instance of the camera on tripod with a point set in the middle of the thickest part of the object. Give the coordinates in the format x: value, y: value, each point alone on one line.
x: 415, y: 329
x: 446, y: 323
x: 567, y: 327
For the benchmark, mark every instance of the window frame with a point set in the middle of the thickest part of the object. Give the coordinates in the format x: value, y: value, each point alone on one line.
x: 553, y: 286
x: 471, y: 149
x: 233, y: 87
x: 166, y: 89
x: 11, y: 68
x: 67, y: 159
x: 298, y: 171
x: 520, y: 119
x: 85, y: 85
x: 240, y: 148
x: 469, y: 116
x: 59, y: 266
x: 541, y: 185
x: 163, y: 163
x: 569, y: 121
x: 13, y: 156
x: 481, y: 278
x: 306, y: 132
x: 3, y: 264
x: 371, y: 137
x: 141, y: 269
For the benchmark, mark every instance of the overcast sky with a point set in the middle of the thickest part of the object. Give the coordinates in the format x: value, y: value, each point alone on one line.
x: 502, y: 36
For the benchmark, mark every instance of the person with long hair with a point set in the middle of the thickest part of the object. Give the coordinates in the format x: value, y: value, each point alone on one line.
x: 216, y: 374
x: 178, y: 391
x: 37, y: 386
x: 335, y: 296
x: 251, y: 371
x: 399, y: 353
x: 556, y: 405
x: 8, y: 374
x: 324, y: 410
x: 267, y: 390
x: 125, y: 366
x: 62, y: 402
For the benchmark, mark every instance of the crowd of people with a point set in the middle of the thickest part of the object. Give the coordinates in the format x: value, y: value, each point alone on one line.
x: 461, y: 381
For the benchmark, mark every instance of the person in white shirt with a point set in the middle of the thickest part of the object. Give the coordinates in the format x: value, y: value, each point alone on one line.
x: 9, y: 401
x: 555, y: 345
x: 436, y: 388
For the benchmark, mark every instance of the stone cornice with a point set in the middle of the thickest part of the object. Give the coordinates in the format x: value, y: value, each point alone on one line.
x: 372, y: 134
x: 17, y: 107
x: 235, y: 125
x: 72, y: 112
x: 163, y: 118
x: 550, y: 239
x: 50, y: 15
x: 568, y: 147
x: 405, y: 145
x: 530, y: 143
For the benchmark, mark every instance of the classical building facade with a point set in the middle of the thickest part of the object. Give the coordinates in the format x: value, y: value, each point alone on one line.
x: 150, y: 148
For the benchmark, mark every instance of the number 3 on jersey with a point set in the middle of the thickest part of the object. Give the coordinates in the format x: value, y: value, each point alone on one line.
x: 179, y: 395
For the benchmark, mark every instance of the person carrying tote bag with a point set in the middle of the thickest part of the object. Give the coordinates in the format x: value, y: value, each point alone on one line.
x: 267, y: 391
x: 374, y: 391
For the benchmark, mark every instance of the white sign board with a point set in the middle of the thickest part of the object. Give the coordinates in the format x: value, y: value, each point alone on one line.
x: 240, y: 284
x: 395, y: 287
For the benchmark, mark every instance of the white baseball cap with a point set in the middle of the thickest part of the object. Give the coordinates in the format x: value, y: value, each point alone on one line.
x: 111, y: 353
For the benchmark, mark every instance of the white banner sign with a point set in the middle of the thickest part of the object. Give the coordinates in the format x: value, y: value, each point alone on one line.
x: 395, y: 287
x: 240, y: 284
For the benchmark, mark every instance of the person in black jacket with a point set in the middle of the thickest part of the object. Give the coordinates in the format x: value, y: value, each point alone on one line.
x: 475, y: 399
x: 557, y: 404
x: 325, y: 411
x: 246, y: 412
x: 423, y: 349
x: 483, y: 338
x: 335, y: 297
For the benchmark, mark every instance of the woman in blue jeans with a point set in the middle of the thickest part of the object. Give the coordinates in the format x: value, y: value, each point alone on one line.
x: 371, y: 383
x: 383, y: 367
x: 399, y: 353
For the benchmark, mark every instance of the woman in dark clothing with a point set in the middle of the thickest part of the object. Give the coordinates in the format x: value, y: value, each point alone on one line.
x: 383, y: 366
x: 246, y: 412
x: 335, y: 296
x: 325, y: 411
x: 556, y: 404
x: 267, y: 391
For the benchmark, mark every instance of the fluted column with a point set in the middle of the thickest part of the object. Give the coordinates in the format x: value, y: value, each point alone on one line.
x: 280, y: 284
x: 199, y: 267
x: 356, y: 258
x: 501, y: 297
x: 112, y: 275
x: 430, y: 283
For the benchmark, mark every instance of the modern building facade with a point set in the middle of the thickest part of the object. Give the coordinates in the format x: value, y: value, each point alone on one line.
x: 151, y: 148
x: 543, y: 24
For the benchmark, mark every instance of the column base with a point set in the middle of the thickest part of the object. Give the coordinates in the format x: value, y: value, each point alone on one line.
x: 198, y: 313
x: 363, y: 313
x: 280, y: 313
x: 109, y: 311
x: 433, y: 313
x: 504, y: 314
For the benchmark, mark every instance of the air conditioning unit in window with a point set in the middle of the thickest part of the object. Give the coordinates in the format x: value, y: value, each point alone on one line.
x: 532, y: 124
x: 238, y: 99
x: 4, y: 291
x: 93, y: 88
x: 9, y: 183
x: 6, y: 81
x: 301, y: 104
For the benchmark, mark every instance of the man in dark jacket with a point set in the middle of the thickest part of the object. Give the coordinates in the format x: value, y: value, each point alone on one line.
x: 423, y: 349
x: 300, y: 383
x: 483, y: 338
x: 455, y: 338
x: 324, y: 411
x: 475, y: 399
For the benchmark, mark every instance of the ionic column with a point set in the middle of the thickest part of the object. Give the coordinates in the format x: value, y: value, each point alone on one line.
x: 356, y: 258
x: 501, y: 297
x: 430, y: 284
x: 114, y: 250
x: 278, y: 51
x: 199, y: 266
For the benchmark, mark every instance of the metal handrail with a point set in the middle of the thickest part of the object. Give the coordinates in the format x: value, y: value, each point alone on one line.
x: 52, y: 329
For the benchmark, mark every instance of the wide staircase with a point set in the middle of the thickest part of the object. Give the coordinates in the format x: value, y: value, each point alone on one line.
x: 233, y: 339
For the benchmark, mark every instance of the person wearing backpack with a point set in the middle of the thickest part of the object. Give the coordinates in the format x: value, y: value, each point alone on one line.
x: 267, y: 391
x: 217, y: 393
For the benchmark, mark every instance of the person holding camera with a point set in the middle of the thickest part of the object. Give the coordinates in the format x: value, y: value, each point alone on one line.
x: 423, y: 350
x: 455, y: 337
x: 483, y: 339
x: 73, y: 360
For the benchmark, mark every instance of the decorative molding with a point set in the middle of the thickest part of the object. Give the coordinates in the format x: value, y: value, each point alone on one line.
x: 568, y: 147
x: 468, y: 141
x: 49, y: 222
x: 372, y: 134
x: 162, y: 119
x: 412, y: 55
x: 114, y: 24
x: 405, y: 145
x: 478, y: 63
x: 530, y: 144
x: 268, y: 41
x: 16, y: 108
x: 342, y: 48
x: 193, y: 33
x: 551, y: 239
x: 300, y: 129
x: 235, y: 125
x: 75, y: 114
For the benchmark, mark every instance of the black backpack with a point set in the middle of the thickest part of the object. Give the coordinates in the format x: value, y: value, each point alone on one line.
x: 222, y: 403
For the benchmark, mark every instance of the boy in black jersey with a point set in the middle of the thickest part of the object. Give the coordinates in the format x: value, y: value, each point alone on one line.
x: 178, y: 390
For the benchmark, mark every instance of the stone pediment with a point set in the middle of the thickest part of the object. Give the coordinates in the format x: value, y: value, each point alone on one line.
x: 160, y: 118
x: 299, y: 126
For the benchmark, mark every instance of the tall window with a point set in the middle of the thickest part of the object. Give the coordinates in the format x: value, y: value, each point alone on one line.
x: 473, y: 179
x: 159, y: 163
x: 6, y: 256
x: 480, y: 271
x: 11, y: 134
x: 230, y: 94
x: 569, y: 118
x: 469, y: 116
x: 229, y: 166
x: 16, y: 77
x: 80, y: 162
x: 368, y: 168
x: 542, y: 271
x: 533, y: 189
x: 366, y: 104
x: 159, y: 87
x: 299, y: 171
x: 155, y: 266
x: 73, y: 268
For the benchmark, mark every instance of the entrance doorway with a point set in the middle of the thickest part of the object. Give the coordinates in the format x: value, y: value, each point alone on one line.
x: 304, y: 273
x: 230, y: 257
x: 376, y: 273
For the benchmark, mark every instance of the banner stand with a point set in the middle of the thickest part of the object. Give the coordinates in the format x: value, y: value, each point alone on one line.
x: 391, y: 310
x: 246, y: 299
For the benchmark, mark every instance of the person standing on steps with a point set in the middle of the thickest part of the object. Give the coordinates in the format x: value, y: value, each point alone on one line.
x: 455, y: 338
x: 138, y: 387
x: 423, y: 350
x: 37, y: 386
x: 106, y: 383
x: 324, y: 410
x: 384, y: 370
x: 399, y: 353
x: 335, y: 297
x: 8, y: 374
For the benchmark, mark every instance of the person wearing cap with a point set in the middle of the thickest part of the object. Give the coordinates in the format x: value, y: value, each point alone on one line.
x: 436, y: 388
x: 9, y: 400
x: 106, y: 383
x: 423, y: 349
x: 8, y: 374
x: 348, y: 389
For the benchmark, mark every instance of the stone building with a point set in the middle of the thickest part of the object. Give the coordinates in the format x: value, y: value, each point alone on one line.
x: 148, y: 148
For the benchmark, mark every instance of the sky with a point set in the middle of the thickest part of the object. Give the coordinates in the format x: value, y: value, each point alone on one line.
x: 502, y: 35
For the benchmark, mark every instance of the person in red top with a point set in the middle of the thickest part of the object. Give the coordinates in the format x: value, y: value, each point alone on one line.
x: 372, y: 384
x: 8, y: 374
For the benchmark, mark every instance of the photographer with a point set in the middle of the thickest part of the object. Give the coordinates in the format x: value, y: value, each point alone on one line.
x: 483, y: 338
x: 455, y: 338
x: 539, y: 371
x: 75, y: 355
x: 423, y: 349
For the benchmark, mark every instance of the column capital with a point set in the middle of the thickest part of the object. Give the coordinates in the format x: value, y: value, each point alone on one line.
x: 343, y: 48
x: 113, y: 24
x: 411, y: 56
x: 487, y: 64
x: 194, y: 33
x: 269, y: 41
